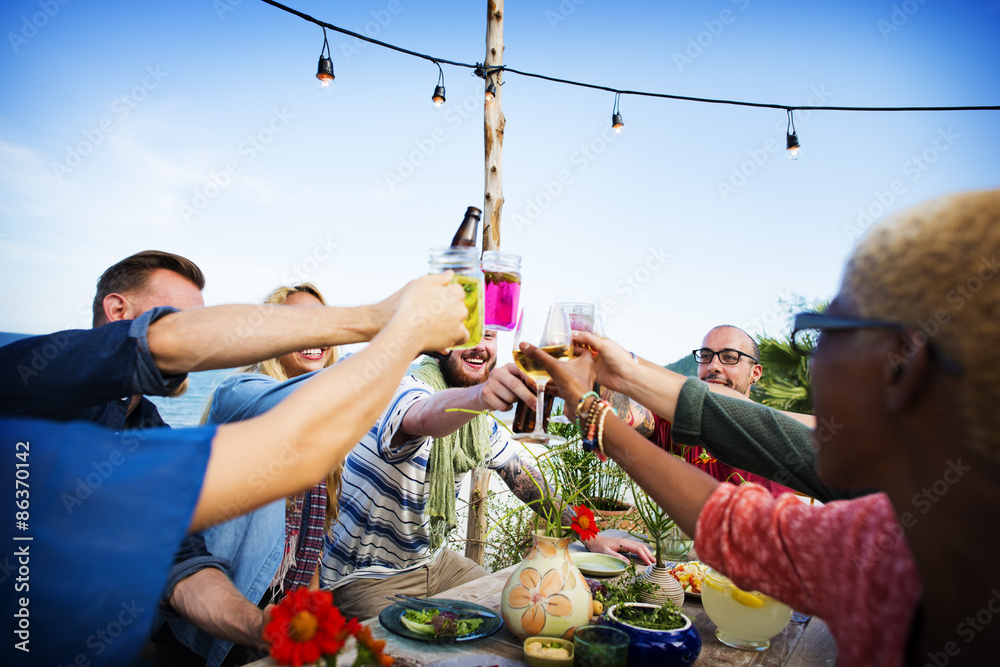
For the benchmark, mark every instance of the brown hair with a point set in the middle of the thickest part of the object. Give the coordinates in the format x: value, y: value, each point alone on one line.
x: 132, y: 273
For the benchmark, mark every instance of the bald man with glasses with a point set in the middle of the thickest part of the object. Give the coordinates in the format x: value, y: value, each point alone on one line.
x: 728, y: 357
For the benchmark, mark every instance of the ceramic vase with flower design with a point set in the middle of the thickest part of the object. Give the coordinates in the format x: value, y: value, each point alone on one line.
x: 546, y: 594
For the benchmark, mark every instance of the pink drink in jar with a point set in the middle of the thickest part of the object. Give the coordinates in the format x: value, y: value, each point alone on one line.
x: 503, y: 288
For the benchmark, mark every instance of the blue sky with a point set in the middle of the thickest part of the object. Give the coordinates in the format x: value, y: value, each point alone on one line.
x: 197, y: 127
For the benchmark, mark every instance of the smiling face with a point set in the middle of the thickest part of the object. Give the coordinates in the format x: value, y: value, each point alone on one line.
x: 466, y: 368
x: 304, y: 361
x: 740, y: 376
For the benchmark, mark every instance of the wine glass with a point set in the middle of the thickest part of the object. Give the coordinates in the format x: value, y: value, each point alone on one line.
x: 584, y: 315
x: 548, y: 328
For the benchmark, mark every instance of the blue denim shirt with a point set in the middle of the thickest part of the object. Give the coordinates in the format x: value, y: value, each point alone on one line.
x: 86, y: 374
x: 252, y: 544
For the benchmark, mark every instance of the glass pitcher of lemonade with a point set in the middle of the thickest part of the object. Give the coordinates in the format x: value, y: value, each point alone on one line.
x: 743, y: 619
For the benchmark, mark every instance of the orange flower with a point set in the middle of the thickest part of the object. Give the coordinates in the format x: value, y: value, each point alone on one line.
x: 584, y: 524
x: 539, y: 597
x: 370, y: 649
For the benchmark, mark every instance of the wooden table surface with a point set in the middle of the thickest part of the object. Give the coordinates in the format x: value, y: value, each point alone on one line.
x: 800, y: 644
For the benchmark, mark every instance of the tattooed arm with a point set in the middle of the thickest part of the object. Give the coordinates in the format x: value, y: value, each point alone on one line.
x: 640, y: 418
x: 525, y: 481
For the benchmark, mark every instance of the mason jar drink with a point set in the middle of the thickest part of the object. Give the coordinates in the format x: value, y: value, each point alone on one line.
x: 503, y: 288
x: 743, y: 619
x: 464, y: 261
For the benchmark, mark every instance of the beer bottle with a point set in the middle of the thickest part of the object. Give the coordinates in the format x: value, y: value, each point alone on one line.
x: 466, y: 234
x: 524, y: 416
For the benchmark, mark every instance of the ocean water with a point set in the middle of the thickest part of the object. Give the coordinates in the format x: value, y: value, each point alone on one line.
x: 186, y: 410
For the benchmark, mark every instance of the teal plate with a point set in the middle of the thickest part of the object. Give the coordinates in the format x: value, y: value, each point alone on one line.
x: 391, y: 615
x: 598, y: 565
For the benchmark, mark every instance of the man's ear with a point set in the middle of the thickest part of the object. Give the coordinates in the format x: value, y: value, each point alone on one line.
x: 906, y: 368
x: 755, y: 374
x: 115, y: 307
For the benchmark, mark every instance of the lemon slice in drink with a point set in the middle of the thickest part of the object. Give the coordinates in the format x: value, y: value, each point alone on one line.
x: 752, y: 600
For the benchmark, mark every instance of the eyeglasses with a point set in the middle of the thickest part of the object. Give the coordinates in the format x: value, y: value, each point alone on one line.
x: 727, y: 357
x: 804, y: 334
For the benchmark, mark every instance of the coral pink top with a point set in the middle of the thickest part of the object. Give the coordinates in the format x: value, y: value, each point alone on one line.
x: 847, y: 562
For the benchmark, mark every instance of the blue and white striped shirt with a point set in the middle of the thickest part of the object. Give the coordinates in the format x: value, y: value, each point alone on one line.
x: 382, y: 529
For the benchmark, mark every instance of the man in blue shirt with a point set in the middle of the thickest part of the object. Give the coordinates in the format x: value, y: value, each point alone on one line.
x: 140, y: 344
x: 149, y: 330
x: 85, y: 575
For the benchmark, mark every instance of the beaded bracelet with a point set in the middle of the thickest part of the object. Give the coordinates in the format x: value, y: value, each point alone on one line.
x: 600, y: 434
x: 579, y: 405
x: 598, y: 408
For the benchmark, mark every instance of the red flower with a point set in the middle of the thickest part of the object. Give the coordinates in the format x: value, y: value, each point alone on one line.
x: 583, y: 523
x: 305, y: 626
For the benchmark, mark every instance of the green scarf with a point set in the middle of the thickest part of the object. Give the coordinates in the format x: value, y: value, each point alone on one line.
x: 454, y: 454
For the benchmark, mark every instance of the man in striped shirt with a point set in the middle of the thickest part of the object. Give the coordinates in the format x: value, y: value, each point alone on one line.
x: 382, y: 543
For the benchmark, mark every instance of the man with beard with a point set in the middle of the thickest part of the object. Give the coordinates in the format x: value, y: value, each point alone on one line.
x: 728, y: 357
x: 399, y: 484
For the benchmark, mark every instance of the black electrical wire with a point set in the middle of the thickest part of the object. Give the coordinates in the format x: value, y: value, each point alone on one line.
x: 479, y: 69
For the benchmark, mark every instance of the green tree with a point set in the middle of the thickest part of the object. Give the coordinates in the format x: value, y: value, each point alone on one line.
x: 686, y: 365
x: 785, y: 384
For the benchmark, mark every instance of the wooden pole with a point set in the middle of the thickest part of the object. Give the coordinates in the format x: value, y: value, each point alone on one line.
x: 475, y: 548
x: 494, y: 126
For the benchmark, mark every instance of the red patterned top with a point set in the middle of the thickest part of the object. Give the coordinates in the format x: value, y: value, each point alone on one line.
x: 701, y: 459
x: 847, y: 562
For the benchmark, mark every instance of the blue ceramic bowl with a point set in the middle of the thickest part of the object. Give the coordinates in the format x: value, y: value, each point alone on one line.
x: 666, y: 648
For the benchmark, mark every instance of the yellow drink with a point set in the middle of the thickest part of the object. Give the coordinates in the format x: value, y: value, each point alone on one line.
x: 535, y: 370
x: 474, y: 289
x: 743, y: 619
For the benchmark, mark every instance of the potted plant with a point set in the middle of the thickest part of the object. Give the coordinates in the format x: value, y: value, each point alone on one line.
x: 546, y: 595
x: 658, y: 635
x: 599, y: 485
x: 659, y: 528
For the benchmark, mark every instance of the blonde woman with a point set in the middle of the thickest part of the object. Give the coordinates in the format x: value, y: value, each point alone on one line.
x: 272, y: 550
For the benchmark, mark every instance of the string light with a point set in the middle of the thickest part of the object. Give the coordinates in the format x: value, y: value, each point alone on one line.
x: 617, y: 124
x: 791, y: 139
x: 491, y: 90
x: 438, y: 96
x: 324, y: 71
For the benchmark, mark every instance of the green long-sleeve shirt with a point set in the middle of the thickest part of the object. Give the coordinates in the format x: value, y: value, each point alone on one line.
x: 753, y: 437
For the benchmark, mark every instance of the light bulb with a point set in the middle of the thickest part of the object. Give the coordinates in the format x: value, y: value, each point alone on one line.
x: 438, y: 96
x: 324, y: 71
x: 792, y: 144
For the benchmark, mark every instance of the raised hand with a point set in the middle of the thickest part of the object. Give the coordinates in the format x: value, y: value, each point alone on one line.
x: 505, y: 386
x: 612, y: 363
x: 434, y: 311
x: 572, y: 378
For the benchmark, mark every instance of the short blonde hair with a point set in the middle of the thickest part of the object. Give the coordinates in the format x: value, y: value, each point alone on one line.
x: 934, y: 267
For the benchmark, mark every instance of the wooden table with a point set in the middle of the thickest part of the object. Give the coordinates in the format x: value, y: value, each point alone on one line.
x: 800, y: 644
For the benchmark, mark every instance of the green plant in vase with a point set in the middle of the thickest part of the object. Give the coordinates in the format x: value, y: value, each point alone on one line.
x: 546, y: 595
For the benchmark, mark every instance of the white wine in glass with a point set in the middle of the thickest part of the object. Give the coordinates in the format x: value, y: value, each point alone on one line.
x: 584, y: 315
x: 546, y: 327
